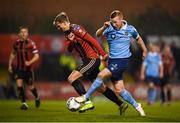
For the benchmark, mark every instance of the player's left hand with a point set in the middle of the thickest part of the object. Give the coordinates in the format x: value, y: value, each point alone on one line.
x: 105, y: 57
x: 161, y: 75
x: 27, y: 63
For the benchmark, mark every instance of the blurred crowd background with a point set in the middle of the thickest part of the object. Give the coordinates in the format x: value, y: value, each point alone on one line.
x: 156, y: 21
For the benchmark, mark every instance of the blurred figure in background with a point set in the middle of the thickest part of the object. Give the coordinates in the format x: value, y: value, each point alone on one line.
x: 152, y: 71
x: 26, y: 54
x: 168, y: 65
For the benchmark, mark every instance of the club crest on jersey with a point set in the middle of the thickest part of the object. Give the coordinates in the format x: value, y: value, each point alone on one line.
x: 113, y: 36
x: 126, y: 33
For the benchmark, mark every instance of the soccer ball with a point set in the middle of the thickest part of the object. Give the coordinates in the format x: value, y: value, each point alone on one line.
x: 72, y: 105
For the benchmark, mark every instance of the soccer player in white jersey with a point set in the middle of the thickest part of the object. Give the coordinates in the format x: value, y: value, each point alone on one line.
x: 119, y: 35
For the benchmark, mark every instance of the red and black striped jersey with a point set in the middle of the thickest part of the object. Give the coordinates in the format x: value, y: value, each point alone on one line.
x: 168, y: 63
x: 24, y: 51
x: 79, y: 39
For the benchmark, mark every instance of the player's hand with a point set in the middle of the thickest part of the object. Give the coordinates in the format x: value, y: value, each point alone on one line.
x: 10, y: 69
x: 142, y: 77
x: 161, y: 75
x: 105, y: 57
x: 27, y: 63
x: 106, y: 24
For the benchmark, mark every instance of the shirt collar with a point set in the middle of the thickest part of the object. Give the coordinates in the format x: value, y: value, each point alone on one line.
x: 153, y: 53
x: 125, y: 24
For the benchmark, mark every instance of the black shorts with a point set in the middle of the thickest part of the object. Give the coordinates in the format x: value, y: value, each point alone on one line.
x: 90, y: 69
x: 165, y: 80
x: 26, y: 76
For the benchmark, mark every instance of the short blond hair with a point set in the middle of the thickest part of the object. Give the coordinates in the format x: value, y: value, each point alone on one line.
x: 116, y: 13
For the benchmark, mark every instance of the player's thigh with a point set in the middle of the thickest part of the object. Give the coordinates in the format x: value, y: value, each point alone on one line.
x: 105, y: 73
x: 74, y: 76
x: 119, y: 86
x: 29, y: 78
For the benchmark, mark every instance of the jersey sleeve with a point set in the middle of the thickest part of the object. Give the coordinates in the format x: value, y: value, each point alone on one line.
x: 79, y: 31
x: 105, y: 31
x: 94, y: 43
x: 34, y: 47
x: 135, y: 34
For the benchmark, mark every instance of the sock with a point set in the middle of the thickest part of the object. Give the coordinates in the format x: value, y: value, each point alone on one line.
x: 154, y: 93
x: 149, y: 95
x: 162, y: 95
x: 112, y: 96
x: 127, y: 97
x: 78, y: 86
x: 169, y: 95
x: 96, y: 84
x: 34, y: 92
x: 22, y: 94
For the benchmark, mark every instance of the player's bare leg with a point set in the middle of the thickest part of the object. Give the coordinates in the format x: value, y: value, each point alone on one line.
x: 21, y: 94
x: 78, y: 86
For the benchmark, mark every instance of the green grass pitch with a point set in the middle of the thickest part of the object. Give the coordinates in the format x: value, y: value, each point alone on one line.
x: 104, y: 111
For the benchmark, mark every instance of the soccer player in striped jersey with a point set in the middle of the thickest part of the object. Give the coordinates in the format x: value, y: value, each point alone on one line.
x: 168, y: 66
x: 119, y: 35
x: 88, y: 48
x: 26, y: 54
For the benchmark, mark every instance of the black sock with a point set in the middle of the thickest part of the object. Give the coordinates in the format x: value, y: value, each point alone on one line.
x: 162, y: 95
x: 169, y: 95
x: 112, y: 96
x: 34, y: 92
x: 22, y: 94
x: 78, y: 86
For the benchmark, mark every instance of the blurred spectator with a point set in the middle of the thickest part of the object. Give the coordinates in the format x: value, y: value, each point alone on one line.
x: 168, y: 65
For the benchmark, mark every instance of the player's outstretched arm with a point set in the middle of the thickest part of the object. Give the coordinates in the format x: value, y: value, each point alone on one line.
x: 100, y: 31
x: 143, y: 47
x: 95, y: 43
x: 11, y: 59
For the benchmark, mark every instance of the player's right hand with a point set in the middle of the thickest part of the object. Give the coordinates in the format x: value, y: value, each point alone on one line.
x: 105, y: 57
x: 142, y: 77
x: 10, y: 69
x: 106, y: 24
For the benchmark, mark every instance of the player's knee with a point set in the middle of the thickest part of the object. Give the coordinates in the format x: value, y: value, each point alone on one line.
x: 31, y: 87
x: 119, y: 90
x: 101, y: 75
x: 151, y: 85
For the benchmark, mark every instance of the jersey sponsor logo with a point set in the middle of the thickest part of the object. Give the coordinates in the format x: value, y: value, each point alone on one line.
x: 126, y: 33
x: 71, y: 36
